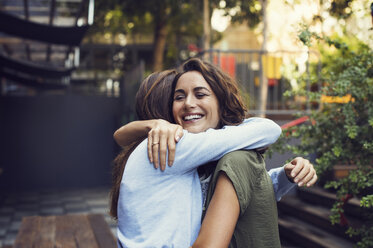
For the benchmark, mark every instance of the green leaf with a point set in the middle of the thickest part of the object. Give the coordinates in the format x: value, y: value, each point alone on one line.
x: 367, y: 201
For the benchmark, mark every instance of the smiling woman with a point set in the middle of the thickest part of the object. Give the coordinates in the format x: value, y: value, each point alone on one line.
x: 195, y: 105
x: 218, y: 85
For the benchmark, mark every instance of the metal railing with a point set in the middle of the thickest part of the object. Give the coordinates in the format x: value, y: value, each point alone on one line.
x: 255, y: 70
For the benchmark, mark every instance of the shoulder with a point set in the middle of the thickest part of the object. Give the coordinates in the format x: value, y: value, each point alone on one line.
x: 243, y: 164
x: 242, y: 156
x: 138, y: 157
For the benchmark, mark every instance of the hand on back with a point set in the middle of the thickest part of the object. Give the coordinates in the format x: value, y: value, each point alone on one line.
x: 162, y: 138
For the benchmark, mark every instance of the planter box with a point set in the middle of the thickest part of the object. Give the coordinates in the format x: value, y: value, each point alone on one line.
x: 341, y: 171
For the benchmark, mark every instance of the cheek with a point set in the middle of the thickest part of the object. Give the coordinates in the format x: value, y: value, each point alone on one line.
x: 217, y: 116
x: 215, y: 112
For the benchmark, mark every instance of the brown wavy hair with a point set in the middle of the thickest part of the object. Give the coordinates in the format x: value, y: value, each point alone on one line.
x: 232, y: 108
x: 151, y: 103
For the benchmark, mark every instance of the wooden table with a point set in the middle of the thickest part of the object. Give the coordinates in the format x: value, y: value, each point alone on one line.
x: 65, y: 231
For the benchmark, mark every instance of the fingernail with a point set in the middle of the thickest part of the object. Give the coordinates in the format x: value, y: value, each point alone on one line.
x: 308, y: 185
x: 170, y: 163
x: 296, y: 180
x: 293, y: 174
x: 177, y: 138
x: 300, y: 184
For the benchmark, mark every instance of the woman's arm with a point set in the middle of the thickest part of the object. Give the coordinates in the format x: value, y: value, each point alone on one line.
x: 199, y: 148
x: 195, y: 149
x: 133, y: 131
x: 281, y: 183
x: 221, y: 218
x: 299, y: 171
x: 248, y: 194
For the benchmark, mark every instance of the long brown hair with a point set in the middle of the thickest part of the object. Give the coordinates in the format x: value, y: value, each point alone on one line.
x: 150, y: 104
x: 232, y: 108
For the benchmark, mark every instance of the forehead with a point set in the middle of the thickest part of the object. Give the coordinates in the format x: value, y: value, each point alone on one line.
x: 191, y: 80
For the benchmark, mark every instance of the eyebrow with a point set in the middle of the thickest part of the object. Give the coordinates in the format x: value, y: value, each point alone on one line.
x: 201, y: 88
x: 179, y: 91
x: 195, y: 89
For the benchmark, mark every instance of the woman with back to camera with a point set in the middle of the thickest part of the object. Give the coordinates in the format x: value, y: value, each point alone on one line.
x: 214, y: 115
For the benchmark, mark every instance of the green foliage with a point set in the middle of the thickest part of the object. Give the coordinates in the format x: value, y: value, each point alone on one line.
x: 177, y: 22
x: 341, y: 8
x: 367, y: 201
x: 340, y: 132
x: 183, y: 19
x: 252, y: 11
x: 366, y: 232
x: 244, y: 11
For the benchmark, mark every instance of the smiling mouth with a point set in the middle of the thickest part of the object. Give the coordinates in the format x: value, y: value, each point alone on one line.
x: 194, y: 117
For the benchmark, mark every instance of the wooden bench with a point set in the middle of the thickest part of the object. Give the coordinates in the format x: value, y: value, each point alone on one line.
x: 65, y: 231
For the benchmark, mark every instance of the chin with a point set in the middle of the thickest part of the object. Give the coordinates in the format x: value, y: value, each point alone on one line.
x: 194, y: 129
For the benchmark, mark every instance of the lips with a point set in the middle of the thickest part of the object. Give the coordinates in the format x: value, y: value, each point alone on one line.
x: 192, y: 117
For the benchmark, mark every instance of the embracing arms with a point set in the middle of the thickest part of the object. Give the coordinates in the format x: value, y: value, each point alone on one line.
x: 197, y: 149
x: 162, y: 137
x: 165, y: 135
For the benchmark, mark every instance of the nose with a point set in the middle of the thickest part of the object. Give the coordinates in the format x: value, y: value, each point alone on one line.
x: 190, y: 102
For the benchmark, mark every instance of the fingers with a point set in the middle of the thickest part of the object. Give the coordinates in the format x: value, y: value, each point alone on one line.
x: 162, y: 139
x: 179, y: 133
x: 298, y: 166
x: 150, y: 147
x: 172, y: 145
x: 288, y: 168
x: 159, y: 147
x: 310, y: 179
x: 155, y: 147
x: 305, y: 164
x: 313, y: 180
x: 307, y: 178
x: 303, y: 172
x: 171, y: 150
x: 162, y: 149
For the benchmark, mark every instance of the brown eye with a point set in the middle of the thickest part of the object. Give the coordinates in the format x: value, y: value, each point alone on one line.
x: 200, y: 95
x: 178, y: 97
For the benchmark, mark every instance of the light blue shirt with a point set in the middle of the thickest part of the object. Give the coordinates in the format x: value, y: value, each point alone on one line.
x: 163, y: 209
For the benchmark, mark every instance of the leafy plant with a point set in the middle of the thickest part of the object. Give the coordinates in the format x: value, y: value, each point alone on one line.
x: 340, y: 127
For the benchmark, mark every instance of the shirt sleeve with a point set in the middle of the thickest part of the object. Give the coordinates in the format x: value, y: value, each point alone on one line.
x: 281, y: 183
x: 194, y: 150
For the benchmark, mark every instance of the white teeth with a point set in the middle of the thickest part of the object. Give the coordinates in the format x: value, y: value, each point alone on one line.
x: 191, y: 117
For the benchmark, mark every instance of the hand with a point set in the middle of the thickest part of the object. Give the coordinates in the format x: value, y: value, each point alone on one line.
x: 162, y: 137
x: 301, y: 171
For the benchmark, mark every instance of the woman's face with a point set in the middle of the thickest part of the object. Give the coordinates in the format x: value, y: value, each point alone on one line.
x: 195, y: 106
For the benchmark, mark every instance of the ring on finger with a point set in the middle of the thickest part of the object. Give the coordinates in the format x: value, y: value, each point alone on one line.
x: 155, y: 143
